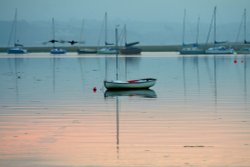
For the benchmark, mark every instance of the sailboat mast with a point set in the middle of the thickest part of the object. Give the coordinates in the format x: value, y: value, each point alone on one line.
x: 245, y: 25
x: 53, y: 31
x: 81, y: 33
x: 198, y: 30
x: 125, y: 33
x: 184, y: 27
x: 116, y: 47
x: 214, y: 24
x: 106, y: 28
x: 15, y: 26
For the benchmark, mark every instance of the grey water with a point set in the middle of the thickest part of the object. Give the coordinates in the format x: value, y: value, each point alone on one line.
x: 196, y: 114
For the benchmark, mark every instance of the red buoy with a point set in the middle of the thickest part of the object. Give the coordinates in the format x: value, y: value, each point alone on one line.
x: 94, y: 89
x: 235, y: 61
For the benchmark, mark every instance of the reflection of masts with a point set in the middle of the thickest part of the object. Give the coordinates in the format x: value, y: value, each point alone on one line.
x: 198, y: 72
x: 245, y: 80
x: 54, y: 74
x: 81, y: 70
x: 126, y: 69
x: 117, y: 126
x: 17, y: 77
x: 184, y: 76
x: 215, y: 81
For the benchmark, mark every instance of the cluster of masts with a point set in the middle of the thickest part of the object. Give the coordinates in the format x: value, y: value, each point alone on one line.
x: 108, y: 48
x: 218, y: 47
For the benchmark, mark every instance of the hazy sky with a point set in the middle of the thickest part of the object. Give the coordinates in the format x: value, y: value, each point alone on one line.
x: 136, y: 10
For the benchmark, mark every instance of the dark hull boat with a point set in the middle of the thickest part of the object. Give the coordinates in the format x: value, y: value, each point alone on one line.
x: 86, y: 51
x: 130, y: 51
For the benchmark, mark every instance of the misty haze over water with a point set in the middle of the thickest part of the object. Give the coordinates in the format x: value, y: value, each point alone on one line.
x: 157, y: 22
x: 34, y: 33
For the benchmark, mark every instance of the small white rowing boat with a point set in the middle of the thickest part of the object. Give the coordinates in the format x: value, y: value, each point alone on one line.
x: 131, y: 84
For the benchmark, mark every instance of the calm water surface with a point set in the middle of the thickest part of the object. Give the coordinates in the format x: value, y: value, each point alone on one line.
x: 198, y: 113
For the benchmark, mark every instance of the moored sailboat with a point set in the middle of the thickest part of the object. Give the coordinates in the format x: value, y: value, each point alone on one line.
x: 84, y: 50
x: 129, y: 48
x: 18, y: 48
x: 191, y: 48
x: 217, y: 48
x: 55, y: 50
x: 108, y: 48
x: 245, y: 49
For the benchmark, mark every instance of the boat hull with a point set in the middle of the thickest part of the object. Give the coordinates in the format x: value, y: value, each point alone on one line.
x: 58, y: 51
x: 86, y: 51
x: 192, y: 51
x: 243, y: 51
x: 17, y: 51
x: 136, y: 84
x: 107, y: 51
x: 130, y: 51
x: 219, y: 50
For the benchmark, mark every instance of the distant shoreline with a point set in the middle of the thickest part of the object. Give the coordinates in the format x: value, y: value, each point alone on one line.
x: 145, y: 48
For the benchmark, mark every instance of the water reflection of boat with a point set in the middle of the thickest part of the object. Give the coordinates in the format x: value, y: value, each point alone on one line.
x: 147, y: 93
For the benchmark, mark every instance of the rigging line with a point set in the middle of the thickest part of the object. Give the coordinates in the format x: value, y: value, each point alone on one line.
x: 239, y: 30
x: 100, y: 34
x: 245, y: 24
x: 12, y: 30
x: 15, y: 27
x: 122, y: 37
x: 198, y: 30
x: 81, y: 32
x: 210, y: 29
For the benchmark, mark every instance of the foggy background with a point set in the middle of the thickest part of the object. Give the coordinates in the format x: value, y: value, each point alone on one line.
x: 152, y: 22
